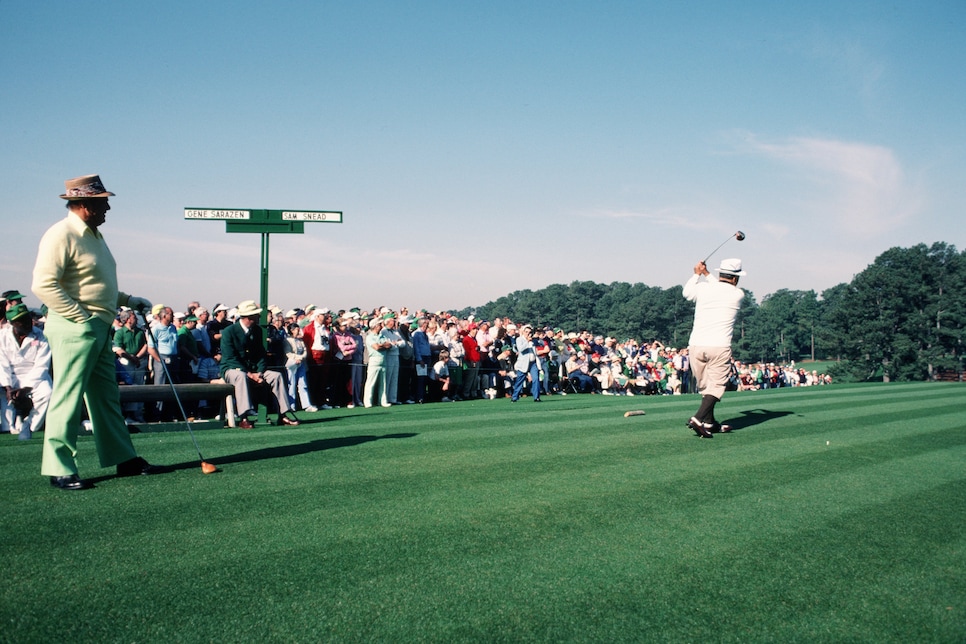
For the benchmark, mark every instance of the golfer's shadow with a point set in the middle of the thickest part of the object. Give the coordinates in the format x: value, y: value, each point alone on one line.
x: 284, y: 451
x: 752, y: 417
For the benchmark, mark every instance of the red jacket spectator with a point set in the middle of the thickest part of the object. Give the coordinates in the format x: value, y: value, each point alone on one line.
x: 471, y: 349
x: 315, y: 355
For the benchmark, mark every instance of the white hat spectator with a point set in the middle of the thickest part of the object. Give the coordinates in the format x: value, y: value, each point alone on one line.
x: 248, y: 308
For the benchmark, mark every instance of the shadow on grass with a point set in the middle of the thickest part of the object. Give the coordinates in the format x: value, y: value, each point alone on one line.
x: 331, y: 418
x: 284, y: 451
x: 752, y: 417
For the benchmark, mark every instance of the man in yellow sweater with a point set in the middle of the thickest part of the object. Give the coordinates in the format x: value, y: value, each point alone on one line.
x: 76, y: 277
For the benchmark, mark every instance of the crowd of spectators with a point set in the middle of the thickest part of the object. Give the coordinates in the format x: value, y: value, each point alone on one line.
x: 383, y: 357
x: 771, y: 376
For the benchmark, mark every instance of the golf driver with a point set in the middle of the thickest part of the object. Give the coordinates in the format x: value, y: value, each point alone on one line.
x: 206, y: 467
x: 740, y: 236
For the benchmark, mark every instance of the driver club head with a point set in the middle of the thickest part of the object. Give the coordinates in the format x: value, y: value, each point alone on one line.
x: 740, y: 236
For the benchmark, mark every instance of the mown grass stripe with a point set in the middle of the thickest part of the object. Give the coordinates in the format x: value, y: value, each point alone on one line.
x: 483, y: 521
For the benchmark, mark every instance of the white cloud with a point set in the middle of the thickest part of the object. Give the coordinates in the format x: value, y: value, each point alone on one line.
x: 856, y: 188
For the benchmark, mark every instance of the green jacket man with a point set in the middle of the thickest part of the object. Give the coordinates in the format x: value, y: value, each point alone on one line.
x: 243, y: 366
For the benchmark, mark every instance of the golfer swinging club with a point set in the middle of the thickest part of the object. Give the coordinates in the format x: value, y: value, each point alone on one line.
x: 716, y: 305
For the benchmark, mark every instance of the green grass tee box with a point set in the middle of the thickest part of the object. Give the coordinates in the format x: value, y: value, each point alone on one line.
x: 830, y: 514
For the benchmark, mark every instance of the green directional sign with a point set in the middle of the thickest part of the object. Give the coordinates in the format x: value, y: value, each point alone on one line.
x: 264, y: 227
x: 265, y: 222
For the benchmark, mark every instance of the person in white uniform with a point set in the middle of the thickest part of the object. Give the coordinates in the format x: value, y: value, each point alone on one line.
x: 24, y: 373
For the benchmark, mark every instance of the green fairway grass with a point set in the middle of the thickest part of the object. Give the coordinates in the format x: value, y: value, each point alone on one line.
x: 830, y: 514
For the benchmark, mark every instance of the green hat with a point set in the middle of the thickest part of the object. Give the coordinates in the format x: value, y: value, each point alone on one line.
x: 17, y: 311
x: 12, y: 295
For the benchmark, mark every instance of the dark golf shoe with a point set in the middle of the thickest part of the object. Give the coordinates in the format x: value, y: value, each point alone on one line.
x: 138, y: 467
x: 70, y: 482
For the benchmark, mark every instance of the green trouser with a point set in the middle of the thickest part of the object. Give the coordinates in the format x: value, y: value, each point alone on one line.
x: 83, y: 365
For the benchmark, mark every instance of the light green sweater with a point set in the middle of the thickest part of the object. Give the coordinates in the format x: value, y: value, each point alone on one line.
x: 75, y: 274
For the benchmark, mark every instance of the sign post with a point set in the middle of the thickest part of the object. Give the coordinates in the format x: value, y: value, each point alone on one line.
x: 264, y: 222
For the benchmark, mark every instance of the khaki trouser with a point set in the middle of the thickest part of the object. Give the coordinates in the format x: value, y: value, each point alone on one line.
x: 711, y: 367
x: 243, y: 398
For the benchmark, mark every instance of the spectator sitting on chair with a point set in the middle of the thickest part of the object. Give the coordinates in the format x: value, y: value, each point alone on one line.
x: 24, y: 373
x: 578, y: 372
x: 243, y: 367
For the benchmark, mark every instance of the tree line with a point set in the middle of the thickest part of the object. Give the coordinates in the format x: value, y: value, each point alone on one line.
x: 900, y: 319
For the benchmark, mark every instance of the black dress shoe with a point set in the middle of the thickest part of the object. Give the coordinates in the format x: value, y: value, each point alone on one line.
x: 138, y: 467
x: 70, y: 482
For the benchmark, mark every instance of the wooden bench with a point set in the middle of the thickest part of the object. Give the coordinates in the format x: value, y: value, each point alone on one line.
x: 215, y: 390
x: 949, y: 376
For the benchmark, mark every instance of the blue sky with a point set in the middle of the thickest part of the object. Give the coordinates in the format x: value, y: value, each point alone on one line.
x: 477, y: 149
